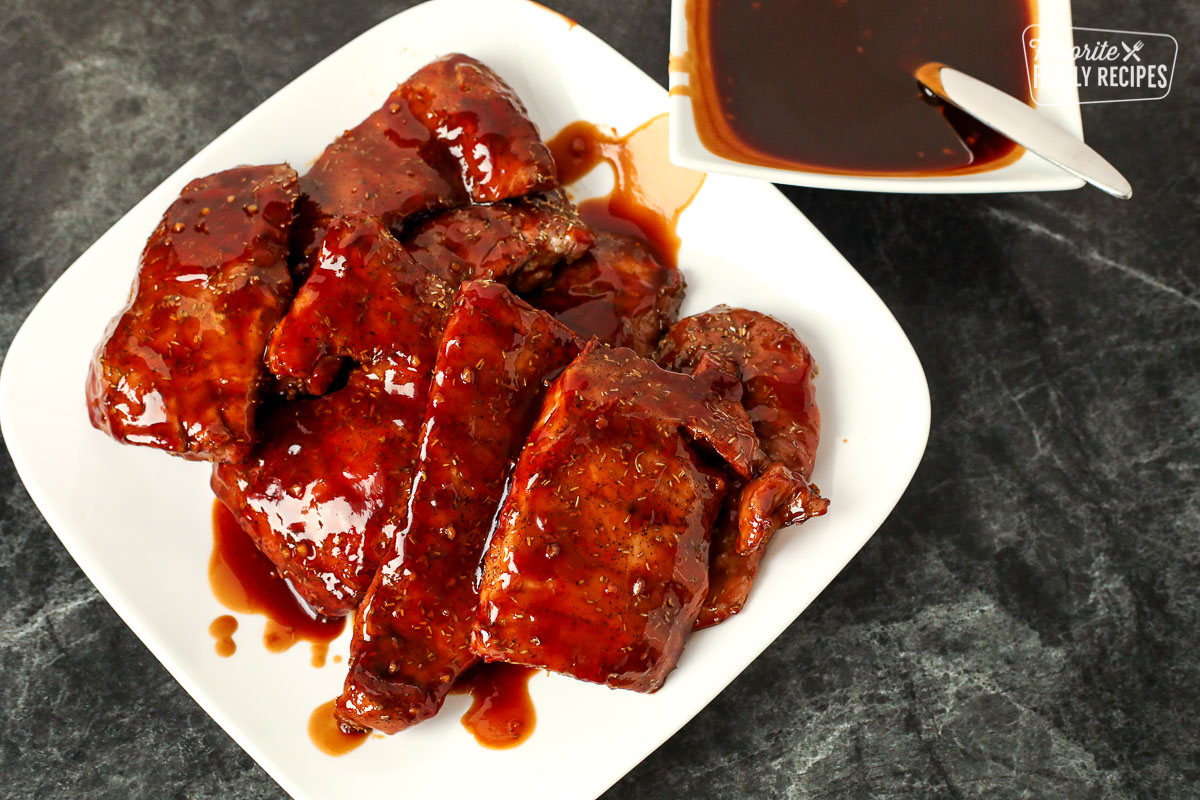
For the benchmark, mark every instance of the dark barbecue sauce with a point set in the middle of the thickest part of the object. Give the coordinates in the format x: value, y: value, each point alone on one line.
x: 501, y: 713
x: 245, y: 581
x: 828, y: 86
x: 649, y: 192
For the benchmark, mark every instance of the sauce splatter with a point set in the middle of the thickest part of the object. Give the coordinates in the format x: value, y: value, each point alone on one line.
x: 328, y: 733
x: 245, y: 581
x: 681, y: 63
x: 222, y: 629
x: 501, y: 713
x: 649, y: 192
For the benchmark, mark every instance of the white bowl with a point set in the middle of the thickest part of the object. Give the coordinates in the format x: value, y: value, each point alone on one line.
x: 1029, y: 173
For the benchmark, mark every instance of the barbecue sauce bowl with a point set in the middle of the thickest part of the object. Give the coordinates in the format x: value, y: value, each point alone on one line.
x: 822, y: 92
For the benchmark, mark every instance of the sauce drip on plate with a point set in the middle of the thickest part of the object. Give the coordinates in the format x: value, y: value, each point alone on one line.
x: 501, y: 713
x: 649, y: 192
x: 329, y: 735
x: 222, y: 629
x: 245, y: 581
x: 829, y: 86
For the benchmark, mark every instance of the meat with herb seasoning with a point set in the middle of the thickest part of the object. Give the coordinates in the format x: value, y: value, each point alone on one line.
x: 325, y: 489
x: 776, y: 371
x: 180, y: 368
x: 412, y: 632
x: 599, y: 563
x: 322, y: 493
x: 453, y: 133
x: 484, y: 127
x: 518, y: 242
x: 368, y: 301
x: 617, y: 292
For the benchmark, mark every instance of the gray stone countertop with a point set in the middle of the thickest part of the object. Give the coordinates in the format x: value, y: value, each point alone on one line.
x: 1025, y: 625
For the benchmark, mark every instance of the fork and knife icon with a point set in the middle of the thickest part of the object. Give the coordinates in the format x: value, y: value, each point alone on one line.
x: 1132, y: 52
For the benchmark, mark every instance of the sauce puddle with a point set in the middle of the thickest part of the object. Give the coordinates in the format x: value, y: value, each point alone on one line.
x: 245, y: 581
x: 649, y: 192
x: 829, y: 86
x: 329, y: 735
x: 501, y: 713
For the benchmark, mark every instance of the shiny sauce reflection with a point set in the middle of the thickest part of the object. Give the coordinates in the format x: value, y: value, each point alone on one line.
x: 649, y: 192
x: 501, y: 713
x: 245, y: 581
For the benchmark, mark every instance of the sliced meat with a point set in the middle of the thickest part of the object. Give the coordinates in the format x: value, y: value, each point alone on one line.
x: 322, y: 494
x: 390, y: 166
x: 617, y: 292
x: 371, y: 303
x: 599, y: 564
x: 367, y: 300
x: 516, y: 243
x: 775, y: 498
x: 730, y: 573
x: 181, y: 368
x: 454, y: 132
x: 759, y: 508
x: 412, y: 633
x: 326, y: 490
x: 776, y: 371
x: 483, y: 125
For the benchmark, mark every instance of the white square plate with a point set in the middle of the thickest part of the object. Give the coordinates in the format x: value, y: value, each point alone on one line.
x: 1029, y: 173
x: 138, y: 522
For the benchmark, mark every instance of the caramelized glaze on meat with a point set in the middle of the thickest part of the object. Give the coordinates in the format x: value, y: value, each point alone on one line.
x: 599, y: 564
x: 367, y: 300
x: 180, y: 369
x: 775, y: 498
x: 617, y: 292
x: 380, y: 489
x: 776, y: 371
x: 452, y: 133
x: 412, y: 632
x: 322, y: 493
x: 331, y: 479
x: 326, y: 489
x: 389, y: 166
x: 516, y: 243
x: 484, y: 127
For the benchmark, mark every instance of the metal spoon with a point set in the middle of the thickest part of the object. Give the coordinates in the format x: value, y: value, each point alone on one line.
x: 1009, y: 116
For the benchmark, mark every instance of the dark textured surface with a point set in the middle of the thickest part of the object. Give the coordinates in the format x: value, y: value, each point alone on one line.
x: 1026, y: 624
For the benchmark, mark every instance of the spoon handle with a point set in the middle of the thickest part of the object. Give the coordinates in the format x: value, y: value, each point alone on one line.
x: 1009, y: 116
